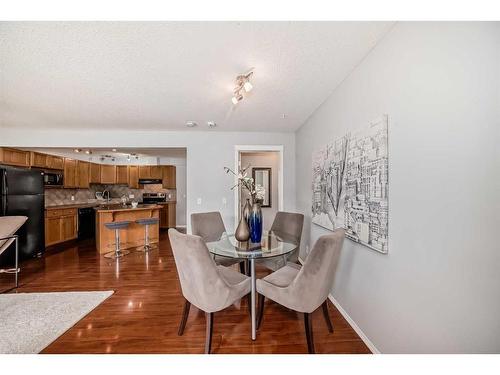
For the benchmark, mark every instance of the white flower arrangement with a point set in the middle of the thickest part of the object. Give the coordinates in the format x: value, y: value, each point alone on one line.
x: 257, y: 192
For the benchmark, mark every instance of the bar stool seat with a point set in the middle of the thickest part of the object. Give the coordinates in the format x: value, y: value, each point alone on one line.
x: 116, y: 226
x: 147, y: 222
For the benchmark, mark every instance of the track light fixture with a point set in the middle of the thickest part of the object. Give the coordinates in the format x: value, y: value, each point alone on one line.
x: 243, y: 84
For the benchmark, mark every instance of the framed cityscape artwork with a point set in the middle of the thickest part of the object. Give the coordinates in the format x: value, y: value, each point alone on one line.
x: 350, y: 185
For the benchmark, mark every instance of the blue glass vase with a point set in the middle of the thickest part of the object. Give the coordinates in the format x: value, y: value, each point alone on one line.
x: 255, y: 223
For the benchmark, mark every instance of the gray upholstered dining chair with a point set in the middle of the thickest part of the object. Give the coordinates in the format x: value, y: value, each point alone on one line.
x: 305, y: 288
x: 209, y: 287
x: 288, y: 226
x: 210, y: 227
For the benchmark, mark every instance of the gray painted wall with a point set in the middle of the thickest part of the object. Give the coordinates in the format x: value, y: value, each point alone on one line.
x: 438, y: 288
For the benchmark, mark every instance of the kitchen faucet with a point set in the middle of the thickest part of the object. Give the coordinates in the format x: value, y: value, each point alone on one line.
x: 105, y: 195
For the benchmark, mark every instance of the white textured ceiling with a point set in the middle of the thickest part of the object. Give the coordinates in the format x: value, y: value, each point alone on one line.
x: 158, y: 75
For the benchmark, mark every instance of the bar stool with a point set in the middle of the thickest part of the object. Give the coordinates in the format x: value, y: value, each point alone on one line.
x: 147, y: 222
x: 117, y: 225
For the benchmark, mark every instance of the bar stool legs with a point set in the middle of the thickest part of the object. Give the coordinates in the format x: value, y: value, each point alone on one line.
x: 118, y: 253
x: 147, y: 244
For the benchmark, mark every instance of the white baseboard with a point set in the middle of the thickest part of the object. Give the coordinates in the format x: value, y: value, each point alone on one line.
x: 351, y: 322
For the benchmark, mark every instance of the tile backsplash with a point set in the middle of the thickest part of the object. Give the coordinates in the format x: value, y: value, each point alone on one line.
x: 54, y: 196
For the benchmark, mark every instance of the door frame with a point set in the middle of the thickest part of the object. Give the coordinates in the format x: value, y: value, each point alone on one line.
x: 238, y: 150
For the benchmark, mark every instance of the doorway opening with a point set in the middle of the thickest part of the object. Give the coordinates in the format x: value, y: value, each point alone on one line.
x: 265, y: 165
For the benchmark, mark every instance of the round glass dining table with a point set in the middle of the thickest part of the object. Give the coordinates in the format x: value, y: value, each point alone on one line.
x: 272, y: 245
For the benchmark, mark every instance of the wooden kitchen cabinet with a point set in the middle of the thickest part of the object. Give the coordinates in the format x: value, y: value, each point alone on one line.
x: 38, y: 160
x: 55, y: 162
x: 167, y: 215
x: 12, y: 156
x: 95, y: 173
x: 60, y: 225
x: 144, y: 171
x: 156, y: 172
x: 171, y: 215
x: 83, y: 175
x: 168, y: 176
x: 122, y: 172
x: 133, y: 177
x: 70, y: 173
x: 108, y: 174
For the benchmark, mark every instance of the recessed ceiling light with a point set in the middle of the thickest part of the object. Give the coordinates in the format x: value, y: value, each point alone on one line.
x: 191, y: 124
x: 211, y: 124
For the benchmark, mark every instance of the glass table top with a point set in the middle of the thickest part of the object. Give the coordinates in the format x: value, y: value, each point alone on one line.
x: 271, y: 245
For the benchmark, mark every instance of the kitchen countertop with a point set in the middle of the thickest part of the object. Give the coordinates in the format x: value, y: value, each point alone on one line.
x: 74, y: 205
x: 120, y: 207
x: 95, y: 204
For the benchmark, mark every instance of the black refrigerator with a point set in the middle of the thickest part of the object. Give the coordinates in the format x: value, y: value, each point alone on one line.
x: 22, y: 194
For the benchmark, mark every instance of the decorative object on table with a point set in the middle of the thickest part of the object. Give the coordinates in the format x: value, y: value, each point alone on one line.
x: 242, y: 233
x: 351, y: 185
x: 262, y: 178
x: 255, y: 223
x: 257, y: 194
x: 246, y: 210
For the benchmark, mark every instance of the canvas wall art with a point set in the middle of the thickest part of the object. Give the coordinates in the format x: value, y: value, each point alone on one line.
x: 351, y: 185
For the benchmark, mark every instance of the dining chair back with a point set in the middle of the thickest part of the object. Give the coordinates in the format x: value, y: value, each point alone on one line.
x: 210, y: 227
x: 288, y: 226
x: 209, y: 287
x: 315, y: 278
x: 207, y: 225
x: 305, y: 288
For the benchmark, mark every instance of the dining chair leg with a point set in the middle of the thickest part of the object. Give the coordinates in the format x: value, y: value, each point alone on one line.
x: 327, y: 316
x: 185, y: 313
x: 260, y: 314
x: 309, y: 332
x: 208, y: 338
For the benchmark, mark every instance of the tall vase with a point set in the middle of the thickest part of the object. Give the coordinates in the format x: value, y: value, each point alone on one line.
x: 242, y: 232
x: 246, y: 210
x: 255, y: 223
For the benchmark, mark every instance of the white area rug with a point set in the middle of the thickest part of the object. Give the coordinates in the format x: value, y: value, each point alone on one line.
x: 31, y: 321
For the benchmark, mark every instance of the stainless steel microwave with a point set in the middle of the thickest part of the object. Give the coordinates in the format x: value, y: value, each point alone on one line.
x: 53, y: 178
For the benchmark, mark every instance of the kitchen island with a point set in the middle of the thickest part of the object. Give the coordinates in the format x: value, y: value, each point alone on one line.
x: 133, y: 235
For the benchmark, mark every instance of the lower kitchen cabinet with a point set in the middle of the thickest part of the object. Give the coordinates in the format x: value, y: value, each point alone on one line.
x: 60, y: 225
x: 167, y: 215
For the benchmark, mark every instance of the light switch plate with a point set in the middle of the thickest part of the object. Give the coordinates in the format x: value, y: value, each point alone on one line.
x: 198, y: 201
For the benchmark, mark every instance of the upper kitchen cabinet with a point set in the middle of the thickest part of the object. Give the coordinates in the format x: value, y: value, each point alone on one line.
x: 122, y: 172
x: 95, y: 173
x: 83, y: 175
x: 144, y: 171
x: 55, y: 162
x: 168, y: 176
x: 133, y: 177
x: 39, y: 160
x: 70, y: 173
x: 108, y: 174
x: 12, y: 156
x: 156, y: 172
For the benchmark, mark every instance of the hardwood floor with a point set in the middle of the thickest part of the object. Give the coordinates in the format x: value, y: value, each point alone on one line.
x: 144, y: 313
